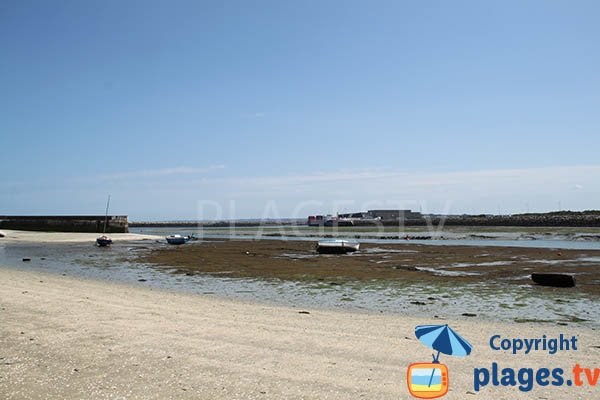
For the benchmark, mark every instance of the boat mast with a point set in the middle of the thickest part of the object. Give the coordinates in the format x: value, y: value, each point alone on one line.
x: 106, y: 215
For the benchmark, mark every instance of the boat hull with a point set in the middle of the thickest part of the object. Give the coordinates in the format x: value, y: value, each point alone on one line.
x: 334, y: 250
x: 103, y: 242
x: 555, y: 280
x: 337, y: 247
x: 176, y: 240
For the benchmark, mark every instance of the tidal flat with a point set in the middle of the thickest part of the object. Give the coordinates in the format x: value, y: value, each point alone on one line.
x: 406, y: 263
x: 437, y: 282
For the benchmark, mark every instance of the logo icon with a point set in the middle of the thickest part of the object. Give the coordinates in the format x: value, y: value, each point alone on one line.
x: 429, y: 380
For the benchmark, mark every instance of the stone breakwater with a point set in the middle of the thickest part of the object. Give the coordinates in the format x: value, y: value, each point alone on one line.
x: 549, y: 219
x: 66, y: 223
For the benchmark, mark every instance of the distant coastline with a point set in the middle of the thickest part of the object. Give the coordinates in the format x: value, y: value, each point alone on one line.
x: 588, y: 218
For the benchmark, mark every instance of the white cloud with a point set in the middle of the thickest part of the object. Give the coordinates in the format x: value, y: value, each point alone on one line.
x: 510, y: 190
x: 256, y: 115
x: 152, y: 173
x: 150, y: 192
x: 420, y: 179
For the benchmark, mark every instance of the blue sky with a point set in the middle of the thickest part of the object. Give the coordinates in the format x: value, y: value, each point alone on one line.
x: 282, y: 107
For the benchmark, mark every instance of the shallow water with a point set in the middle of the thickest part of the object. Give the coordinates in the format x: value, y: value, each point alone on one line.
x: 490, y: 300
x: 501, y: 239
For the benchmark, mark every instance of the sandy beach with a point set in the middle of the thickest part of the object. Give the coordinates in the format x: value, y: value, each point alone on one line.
x: 13, y: 236
x: 70, y: 338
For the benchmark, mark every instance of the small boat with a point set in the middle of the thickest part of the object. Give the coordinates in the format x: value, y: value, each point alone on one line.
x: 337, y: 246
x: 556, y: 280
x: 177, y: 239
x: 103, y: 241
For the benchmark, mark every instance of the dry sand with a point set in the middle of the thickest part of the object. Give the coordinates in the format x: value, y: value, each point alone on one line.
x: 68, y: 237
x: 62, y: 337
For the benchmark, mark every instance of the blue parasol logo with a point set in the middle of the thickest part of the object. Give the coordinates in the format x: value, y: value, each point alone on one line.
x: 443, y: 339
x: 430, y: 380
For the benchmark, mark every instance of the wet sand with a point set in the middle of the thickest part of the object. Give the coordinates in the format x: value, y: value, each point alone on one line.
x: 298, y: 261
x: 67, y: 338
x: 67, y: 237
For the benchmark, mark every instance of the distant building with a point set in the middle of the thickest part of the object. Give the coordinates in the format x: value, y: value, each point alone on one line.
x: 395, y: 215
x: 356, y: 215
x: 371, y: 215
x: 316, y: 220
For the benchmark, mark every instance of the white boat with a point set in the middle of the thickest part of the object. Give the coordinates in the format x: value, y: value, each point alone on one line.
x: 337, y: 246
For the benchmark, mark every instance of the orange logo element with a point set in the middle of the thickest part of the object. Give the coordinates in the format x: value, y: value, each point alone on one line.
x: 427, y: 380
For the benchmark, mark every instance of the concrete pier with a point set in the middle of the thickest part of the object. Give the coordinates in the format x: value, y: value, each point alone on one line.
x: 65, y: 223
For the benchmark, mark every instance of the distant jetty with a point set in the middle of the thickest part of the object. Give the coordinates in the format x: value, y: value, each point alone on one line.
x: 216, y: 224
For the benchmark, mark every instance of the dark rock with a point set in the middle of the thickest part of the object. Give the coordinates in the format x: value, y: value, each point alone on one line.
x: 418, y: 303
x: 26, y: 259
x: 141, y: 280
x: 468, y: 314
x: 303, y: 312
x: 405, y: 267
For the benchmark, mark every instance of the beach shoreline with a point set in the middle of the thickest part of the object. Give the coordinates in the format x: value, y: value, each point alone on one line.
x: 14, y: 236
x: 66, y: 337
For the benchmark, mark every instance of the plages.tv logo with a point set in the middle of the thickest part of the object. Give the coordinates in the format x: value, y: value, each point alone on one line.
x: 429, y: 380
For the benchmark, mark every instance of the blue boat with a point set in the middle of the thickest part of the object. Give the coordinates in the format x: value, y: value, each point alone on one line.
x: 177, y: 239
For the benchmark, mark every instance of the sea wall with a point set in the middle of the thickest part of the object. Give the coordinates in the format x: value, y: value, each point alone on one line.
x: 573, y: 220
x: 65, y: 223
